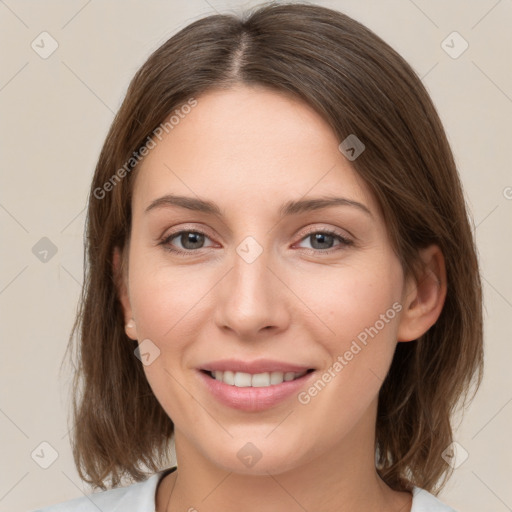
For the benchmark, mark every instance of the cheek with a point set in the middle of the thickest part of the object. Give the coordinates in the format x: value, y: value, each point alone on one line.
x: 362, y: 309
x: 363, y: 305
x: 165, y: 300
x: 352, y: 299
x: 166, y: 304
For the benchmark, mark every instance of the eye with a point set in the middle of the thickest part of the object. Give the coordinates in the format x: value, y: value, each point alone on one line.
x: 323, y: 240
x: 190, y: 241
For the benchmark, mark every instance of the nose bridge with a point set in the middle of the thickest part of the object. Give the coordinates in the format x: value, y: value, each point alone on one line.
x: 251, y: 299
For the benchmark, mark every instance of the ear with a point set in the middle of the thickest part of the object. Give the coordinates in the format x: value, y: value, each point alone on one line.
x: 121, y: 282
x: 424, y: 296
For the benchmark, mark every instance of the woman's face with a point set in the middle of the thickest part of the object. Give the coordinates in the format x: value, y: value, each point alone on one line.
x: 248, y: 275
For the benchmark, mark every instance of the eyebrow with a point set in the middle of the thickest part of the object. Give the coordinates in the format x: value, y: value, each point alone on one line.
x: 287, y: 209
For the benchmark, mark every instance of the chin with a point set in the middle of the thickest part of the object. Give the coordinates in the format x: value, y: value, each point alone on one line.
x: 257, y: 458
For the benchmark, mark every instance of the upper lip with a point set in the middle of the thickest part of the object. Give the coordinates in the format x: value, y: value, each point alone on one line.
x: 257, y: 366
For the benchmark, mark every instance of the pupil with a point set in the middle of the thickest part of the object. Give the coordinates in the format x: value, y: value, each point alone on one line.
x: 321, y: 238
x: 195, y: 239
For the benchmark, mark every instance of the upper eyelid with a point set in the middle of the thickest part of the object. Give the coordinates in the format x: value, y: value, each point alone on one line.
x: 205, y: 231
x: 336, y: 231
x: 181, y: 230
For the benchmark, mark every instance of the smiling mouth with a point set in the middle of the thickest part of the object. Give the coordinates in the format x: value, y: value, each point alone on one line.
x: 255, y: 380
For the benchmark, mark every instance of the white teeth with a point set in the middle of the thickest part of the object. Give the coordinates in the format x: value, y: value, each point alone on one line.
x: 257, y: 380
x: 228, y: 377
x: 242, y: 380
x: 260, y: 380
x: 276, y: 378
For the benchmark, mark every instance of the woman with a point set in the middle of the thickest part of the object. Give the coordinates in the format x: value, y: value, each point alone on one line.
x: 281, y: 276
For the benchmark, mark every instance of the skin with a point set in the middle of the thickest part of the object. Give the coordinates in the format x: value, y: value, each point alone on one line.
x: 250, y: 150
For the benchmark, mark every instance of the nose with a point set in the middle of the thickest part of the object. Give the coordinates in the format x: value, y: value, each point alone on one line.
x: 252, y: 299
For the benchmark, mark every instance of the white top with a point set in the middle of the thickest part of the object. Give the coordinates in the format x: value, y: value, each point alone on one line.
x: 140, y: 497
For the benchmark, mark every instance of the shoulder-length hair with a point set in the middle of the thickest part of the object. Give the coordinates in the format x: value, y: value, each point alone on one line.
x: 360, y: 86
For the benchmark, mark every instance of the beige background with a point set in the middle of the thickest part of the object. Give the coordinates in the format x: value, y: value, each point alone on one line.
x: 55, y: 113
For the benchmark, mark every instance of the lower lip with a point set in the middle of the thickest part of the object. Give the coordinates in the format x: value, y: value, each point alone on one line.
x: 253, y: 399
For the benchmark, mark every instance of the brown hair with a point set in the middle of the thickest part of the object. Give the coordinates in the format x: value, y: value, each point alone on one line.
x: 359, y: 85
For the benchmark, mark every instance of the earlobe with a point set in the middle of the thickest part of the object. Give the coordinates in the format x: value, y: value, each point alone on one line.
x: 424, y: 296
x: 131, y: 329
x: 122, y: 293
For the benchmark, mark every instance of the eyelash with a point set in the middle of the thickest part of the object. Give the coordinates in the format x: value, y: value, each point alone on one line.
x: 165, y: 242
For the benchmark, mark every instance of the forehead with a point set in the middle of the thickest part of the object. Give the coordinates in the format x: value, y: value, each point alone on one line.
x: 252, y: 145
